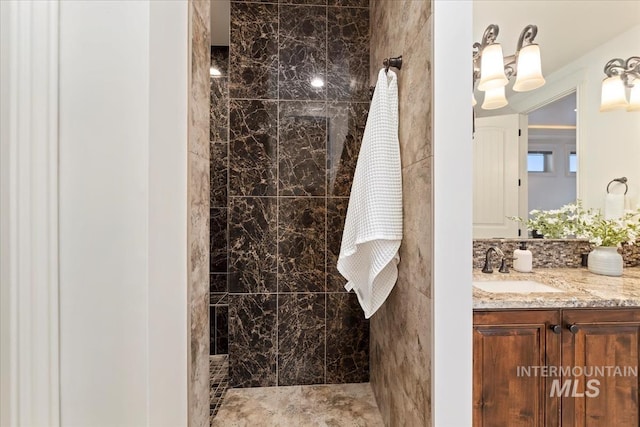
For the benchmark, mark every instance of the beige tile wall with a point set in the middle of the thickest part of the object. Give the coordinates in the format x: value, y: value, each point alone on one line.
x: 401, y: 329
x: 198, y: 207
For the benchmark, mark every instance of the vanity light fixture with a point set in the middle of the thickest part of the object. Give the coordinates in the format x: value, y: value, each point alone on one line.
x: 493, y: 70
x: 621, y: 75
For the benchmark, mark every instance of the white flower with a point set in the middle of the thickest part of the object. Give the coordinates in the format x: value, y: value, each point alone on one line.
x: 574, y: 220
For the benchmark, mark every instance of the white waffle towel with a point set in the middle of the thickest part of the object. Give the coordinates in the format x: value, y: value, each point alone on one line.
x: 373, y: 226
x: 613, y: 206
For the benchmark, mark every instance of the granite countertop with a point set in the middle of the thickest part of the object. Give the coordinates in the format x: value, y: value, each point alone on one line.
x: 580, y: 289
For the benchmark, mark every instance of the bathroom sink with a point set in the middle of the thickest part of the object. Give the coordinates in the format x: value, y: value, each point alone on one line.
x: 515, y: 286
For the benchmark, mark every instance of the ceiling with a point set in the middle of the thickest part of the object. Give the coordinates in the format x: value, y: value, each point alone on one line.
x: 567, y: 29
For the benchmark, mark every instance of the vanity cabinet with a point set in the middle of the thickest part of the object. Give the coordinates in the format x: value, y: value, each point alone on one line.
x: 503, y: 343
x: 601, y: 338
x: 562, y: 349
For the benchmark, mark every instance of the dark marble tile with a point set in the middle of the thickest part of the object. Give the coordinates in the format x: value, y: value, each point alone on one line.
x: 220, y: 59
x: 336, y: 214
x: 302, y: 281
x: 218, y: 283
x: 301, y: 339
x: 251, y: 280
x: 347, y: 340
x: 253, y: 51
x: 253, y: 165
x: 219, y: 298
x: 252, y: 245
x: 252, y: 340
x: 301, y: 245
x: 218, y: 240
x: 218, y: 175
x: 345, y: 130
x: 302, y: 148
x: 219, y: 110
x: 303, y: 52
x: 222, y: 329
x: 348, y: 54
x: 349, y: 3
x: 307, y: 2
x: 212, y: 330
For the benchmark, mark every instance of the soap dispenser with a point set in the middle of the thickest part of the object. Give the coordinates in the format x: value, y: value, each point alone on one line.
x: 523, y: 259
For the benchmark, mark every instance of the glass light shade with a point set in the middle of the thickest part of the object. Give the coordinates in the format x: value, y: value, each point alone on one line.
x: 492, y: 68
x: 529, y: 69
x: 494, y: 98
x: 613, y: 94
x: 634, y: 97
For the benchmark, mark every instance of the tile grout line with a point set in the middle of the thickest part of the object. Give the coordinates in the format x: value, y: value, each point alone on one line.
x: 228, y: 206
x: 228, y: 183
x: 228, y: 191
x: 326, y: 184
x: 277, y: 195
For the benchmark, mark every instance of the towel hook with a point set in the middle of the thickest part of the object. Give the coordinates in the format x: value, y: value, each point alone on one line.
x: 387, y: 63
x: 392, y: 62
x: 622, y: 180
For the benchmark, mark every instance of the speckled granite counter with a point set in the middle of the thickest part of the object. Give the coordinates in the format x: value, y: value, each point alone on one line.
x: 580, y: 289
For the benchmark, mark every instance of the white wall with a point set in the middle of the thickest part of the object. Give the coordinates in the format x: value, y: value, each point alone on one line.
x: 452, y: 168
x: 123, y: 293
x: 608, y: 143
x: 167, y: 322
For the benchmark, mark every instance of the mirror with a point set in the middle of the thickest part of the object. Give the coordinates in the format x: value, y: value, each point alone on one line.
x: 607, y: 145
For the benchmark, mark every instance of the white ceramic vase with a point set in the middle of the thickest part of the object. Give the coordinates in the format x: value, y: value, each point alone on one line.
x: 605, y: 260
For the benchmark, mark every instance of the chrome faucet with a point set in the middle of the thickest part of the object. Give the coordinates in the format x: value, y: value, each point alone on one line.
x: 488, y: 268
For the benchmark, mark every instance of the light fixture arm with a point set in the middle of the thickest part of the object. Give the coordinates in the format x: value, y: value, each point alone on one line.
x: 628, y: 70
x: 490, y: 35
x: 527, y: 35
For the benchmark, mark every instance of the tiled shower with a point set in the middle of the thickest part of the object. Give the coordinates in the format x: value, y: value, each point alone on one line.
x: 288, y: 112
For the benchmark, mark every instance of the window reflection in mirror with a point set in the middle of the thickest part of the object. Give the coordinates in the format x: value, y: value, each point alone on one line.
x: 551, y: 158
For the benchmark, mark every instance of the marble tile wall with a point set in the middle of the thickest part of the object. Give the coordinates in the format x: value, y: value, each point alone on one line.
x: 401, y: 328
x: 292, y: 151
x: 198, y: 227
x: 218, y: 202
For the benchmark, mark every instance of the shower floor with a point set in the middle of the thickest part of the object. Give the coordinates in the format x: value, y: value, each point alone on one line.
x: 297, y: 406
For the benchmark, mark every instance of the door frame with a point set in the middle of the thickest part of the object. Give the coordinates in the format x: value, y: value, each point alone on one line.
x: 29, y: 285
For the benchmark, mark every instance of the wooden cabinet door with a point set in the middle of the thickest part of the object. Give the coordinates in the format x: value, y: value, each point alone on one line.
x: 601, y: 338
x: 503, y: 343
